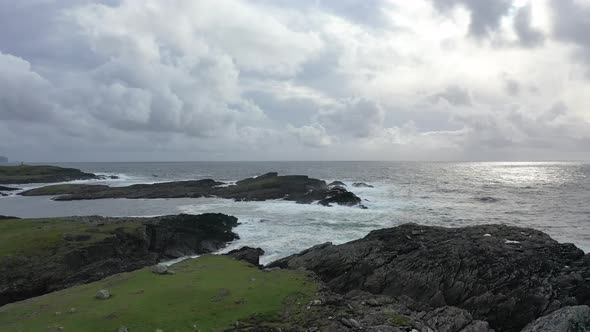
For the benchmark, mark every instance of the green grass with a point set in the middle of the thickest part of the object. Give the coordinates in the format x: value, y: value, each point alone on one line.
x: 396, y: 319
x: 210, y: 292
x: 38, y: 237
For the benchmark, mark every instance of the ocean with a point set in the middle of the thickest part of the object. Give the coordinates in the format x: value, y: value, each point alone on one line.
x: 552, y: 197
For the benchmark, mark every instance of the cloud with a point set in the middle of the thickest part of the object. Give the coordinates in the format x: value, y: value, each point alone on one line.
x: 527, y: 35
x: 485, y: 15
x: 311, y: 135
x: 234, y: 79
x: 571, y: 25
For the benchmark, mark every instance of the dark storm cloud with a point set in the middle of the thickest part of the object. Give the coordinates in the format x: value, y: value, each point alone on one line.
x: 527, y: 35
x: 571, y: 24
x: 485, y: 14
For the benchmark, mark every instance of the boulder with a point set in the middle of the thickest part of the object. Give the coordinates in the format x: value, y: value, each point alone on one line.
x: 247, y: 254
x: 509, y: 278
x: 103, y: 294
x: 337, y: 183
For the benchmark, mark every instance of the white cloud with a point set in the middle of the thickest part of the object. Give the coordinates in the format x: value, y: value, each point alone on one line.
x: 252, y: 79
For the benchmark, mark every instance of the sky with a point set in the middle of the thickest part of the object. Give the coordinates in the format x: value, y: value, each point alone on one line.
x: 184, y: 80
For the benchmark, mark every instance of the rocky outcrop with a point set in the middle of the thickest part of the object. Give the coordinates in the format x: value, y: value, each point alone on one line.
x: 41, y: 174
x: 361, y: 311
x: 247, y: 254
x: 362, y: 185
x: 2, y: 188
x: 87, y: 249
x: 337, y: 183
x: 568, y: 319
x: 298, y: 188
x: 507, y: 276
x: 341, y: 196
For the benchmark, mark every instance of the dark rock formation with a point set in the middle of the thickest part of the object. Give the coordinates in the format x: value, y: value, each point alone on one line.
x: 340, y: 196
x: 568, y: 319
x: 360, y: 311
x: 299, y: 188
x: 41, y: 174
x: 100, y: 247
x: 362, y: 185
x: 2, y: 188
x: 505, y: 275
x: 247, y: 254
x: 337, y: 183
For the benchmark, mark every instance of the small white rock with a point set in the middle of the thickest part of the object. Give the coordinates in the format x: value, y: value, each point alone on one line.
x: 103, y: 294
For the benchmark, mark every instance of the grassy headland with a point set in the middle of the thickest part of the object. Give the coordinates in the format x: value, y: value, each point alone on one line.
x: 210, y: 293
x: 41, y: 174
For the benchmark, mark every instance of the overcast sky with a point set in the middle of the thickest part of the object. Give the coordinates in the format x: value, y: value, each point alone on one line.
x: 133, y: 80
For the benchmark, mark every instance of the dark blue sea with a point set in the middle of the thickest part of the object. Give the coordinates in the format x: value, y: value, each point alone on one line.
x: 553, y: 197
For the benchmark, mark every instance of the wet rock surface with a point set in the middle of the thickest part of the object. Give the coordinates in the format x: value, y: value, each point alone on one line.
x: 247, y: 254
x: 115, y: 245
x: 507, y: 276
x: 299, y: 188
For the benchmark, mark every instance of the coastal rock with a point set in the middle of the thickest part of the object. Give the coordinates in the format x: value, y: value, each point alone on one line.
x: 340, y: 196
x: 362, y: 185
x: 298, y: 188
x: 508, y: 279
x: 247, y: 254
x: 105, y: 246
x: 41, y: 174
x: 2, y: 188
x: 337, y: 183
x: 568, y: 319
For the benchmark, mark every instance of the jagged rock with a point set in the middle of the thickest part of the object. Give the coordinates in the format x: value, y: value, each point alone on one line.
x: 103, y: 294
x: 568, y: 319
x: 337, y: 183
x: 340, y: 196
x: 508, y: 279
x: 111, y: 249
x: 362, y: 185
x: 247, y: 254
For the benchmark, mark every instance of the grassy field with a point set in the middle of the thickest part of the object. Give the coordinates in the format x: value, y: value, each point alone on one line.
x: 38, y: 237
x: 209, y: 293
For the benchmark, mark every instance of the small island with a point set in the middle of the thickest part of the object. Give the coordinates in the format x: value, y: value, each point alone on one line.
x: 23, y: 174
x: 299, y: 188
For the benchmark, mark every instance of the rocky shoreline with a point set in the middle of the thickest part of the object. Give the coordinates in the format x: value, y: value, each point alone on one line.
x: 402, y: 279
x: 505, y: 276
x: 299, y: 188
x: 38, y: 256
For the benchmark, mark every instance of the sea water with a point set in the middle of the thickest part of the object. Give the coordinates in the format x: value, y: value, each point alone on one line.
x: 550, y: 196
